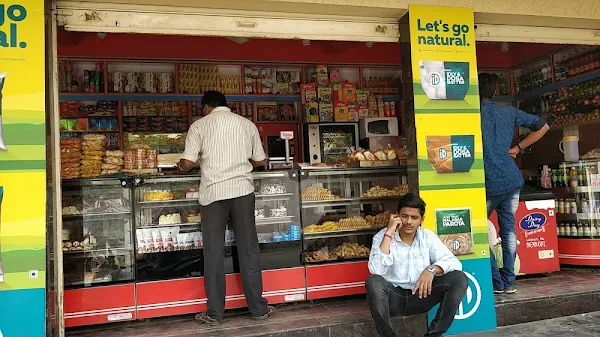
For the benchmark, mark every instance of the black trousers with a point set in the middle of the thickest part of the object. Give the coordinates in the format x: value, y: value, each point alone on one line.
x: 214, y: 218
x: 387, y: 301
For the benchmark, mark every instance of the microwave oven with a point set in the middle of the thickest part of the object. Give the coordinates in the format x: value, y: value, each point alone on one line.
x: 379, y: 127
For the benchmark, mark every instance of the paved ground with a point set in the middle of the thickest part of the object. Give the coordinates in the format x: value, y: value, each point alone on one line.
x: 584, y: 325
x: 350, y: 317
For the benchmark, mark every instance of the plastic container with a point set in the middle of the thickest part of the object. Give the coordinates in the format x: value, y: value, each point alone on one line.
x: 569, y: 146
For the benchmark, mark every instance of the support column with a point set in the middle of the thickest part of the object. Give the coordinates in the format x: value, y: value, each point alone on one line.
x: 443, y: 137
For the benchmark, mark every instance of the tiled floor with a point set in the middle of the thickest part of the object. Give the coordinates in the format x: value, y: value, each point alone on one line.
x: 350, y: 316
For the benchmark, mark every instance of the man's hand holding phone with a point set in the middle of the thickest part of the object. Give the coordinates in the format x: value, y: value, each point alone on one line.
x: 394, y: 224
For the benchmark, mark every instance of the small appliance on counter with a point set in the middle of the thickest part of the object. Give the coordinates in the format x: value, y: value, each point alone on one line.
x: 330, y: 142
x: 280, y: 151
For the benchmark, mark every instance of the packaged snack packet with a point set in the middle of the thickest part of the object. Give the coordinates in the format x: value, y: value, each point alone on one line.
x: 2, y: 143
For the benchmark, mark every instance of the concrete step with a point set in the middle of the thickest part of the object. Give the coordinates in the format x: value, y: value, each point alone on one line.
x: 562, y: 294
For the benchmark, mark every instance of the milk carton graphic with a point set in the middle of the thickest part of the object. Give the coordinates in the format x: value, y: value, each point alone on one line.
x: 442, y: 80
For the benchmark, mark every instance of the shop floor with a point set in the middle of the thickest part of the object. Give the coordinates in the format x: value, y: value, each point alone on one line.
x: 569, y: 292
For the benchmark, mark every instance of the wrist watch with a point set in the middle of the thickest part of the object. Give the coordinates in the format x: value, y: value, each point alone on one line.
x: 432, y: 270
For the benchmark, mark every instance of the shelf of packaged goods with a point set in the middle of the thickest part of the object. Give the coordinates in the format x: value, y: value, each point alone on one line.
x: 338, y: 260
x: 98, y: 216
x: 169, y: 225
x: 555, y: 86
x: 348, y: 201
x: 279, y: 196
x: 581, y: 123
x: 88, y: 116
x: 274, y: 220
x: 175, y: 97
x: 578, y: 216
x: 503, y: 99
x: 339, y: 233
x: 89, y: 131
x: 168, y: 203
x: 580, y: 189
x: 120, y: 251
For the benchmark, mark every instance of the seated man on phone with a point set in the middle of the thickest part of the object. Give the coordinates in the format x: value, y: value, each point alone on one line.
x: 412, y: 271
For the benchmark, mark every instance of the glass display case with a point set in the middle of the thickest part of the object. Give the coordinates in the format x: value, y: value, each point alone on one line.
x: 577, y: 191
x: 576, y: 187
x: 168, y: 227
x: 97, y: 232
x: 343, y: 208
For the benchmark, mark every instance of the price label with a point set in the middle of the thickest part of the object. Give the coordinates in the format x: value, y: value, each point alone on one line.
x: 286, y: 134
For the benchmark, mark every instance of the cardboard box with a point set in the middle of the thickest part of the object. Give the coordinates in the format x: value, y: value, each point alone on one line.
x: 341, y: 112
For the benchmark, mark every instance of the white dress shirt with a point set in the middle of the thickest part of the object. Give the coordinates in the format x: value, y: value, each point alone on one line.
x: 405, y: 263
x: 225, y: 142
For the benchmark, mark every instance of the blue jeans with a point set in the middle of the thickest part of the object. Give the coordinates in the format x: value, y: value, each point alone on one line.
x: 506, y: 206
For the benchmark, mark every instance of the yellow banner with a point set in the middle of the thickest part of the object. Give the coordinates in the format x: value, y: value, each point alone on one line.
x: 22, y: 168
x: 450, y: 149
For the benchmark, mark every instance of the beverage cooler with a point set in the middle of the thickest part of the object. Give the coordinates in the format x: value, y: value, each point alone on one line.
x: 537, y: 237
x: 576, y: 186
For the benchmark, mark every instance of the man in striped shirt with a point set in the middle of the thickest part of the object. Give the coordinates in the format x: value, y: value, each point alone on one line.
x: 228, y: 146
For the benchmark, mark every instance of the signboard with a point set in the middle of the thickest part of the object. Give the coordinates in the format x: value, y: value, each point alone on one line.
x: 22, y: 169
x: 450, y: 149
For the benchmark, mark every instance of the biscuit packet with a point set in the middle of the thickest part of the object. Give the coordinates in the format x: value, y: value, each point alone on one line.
x: 2, y: 143
x: 448, y: 154
x: 443, y: 80
x: 454, y: 229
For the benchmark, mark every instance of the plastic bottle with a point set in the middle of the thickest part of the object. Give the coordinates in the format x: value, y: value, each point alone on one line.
x: 567, y: 209
x: 574, y: 229
x: 574, y: 208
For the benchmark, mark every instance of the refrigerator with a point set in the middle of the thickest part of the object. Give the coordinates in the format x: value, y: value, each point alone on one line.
x: 537, y: 235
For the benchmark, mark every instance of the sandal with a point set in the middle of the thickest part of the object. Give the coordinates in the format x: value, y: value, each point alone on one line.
x: 204, y: 318
x: 270, y: 310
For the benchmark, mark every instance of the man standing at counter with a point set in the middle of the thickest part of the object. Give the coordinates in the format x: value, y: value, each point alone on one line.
x: 412, y: 272
x: 229, y: 146
x: 503, y: 180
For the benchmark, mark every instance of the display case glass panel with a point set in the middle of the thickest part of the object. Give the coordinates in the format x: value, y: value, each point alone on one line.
x: 97, y: 232
x: 343, y: 208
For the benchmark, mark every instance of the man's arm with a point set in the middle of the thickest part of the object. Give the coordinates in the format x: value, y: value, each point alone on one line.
x: 192, y: 150
x: 538, y: 128
x: 379, y: 262
x: 441, y: 257
x: 258, y: 158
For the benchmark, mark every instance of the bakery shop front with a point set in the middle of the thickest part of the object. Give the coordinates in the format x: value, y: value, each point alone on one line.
x: 343, y: 146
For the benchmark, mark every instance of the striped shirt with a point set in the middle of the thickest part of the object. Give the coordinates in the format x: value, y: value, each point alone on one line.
x: 405, y: 263
x: 225, y: 143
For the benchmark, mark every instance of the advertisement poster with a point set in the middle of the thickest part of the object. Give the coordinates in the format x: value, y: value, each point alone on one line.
x: 450, y: 149
x: 22, y: 169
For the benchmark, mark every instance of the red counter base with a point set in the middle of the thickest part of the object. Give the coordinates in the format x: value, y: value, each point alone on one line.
x: 339, y: 279
x: 579, y: 252
x: 99, y: 305
x: 184, y: 296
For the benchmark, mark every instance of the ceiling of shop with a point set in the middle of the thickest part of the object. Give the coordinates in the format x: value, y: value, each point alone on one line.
x: 553, y: 13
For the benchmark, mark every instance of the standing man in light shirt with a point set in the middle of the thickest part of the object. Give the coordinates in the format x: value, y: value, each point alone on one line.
x: 412, y: 271
x: 229, y: 147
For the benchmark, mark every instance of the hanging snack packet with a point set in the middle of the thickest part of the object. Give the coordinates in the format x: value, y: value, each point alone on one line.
x: 2, y: 143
